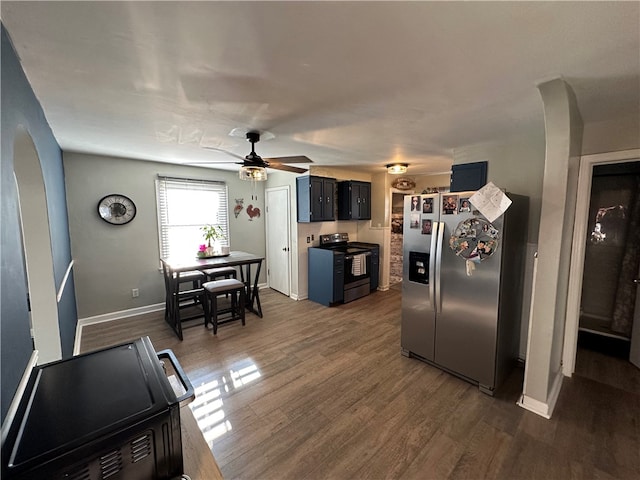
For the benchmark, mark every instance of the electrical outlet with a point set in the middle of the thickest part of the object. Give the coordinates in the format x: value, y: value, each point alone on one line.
x: 135, y: 293
x: 312, y: 237
x: 308, y: 239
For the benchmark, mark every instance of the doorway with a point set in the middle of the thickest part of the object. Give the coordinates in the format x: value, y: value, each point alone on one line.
x: 278, y: 239
x: 602, y: 267
x: 395, y: 270
x: 612, y: 262
x: 36, y: 241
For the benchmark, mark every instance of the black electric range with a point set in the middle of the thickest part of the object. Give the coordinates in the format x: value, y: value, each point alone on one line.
x: 341, y: 271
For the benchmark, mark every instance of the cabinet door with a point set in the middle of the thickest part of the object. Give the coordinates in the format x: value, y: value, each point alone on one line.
x: 364, y: 195
x: 375, y: 268
x: 328, y: 193
x: 354, y: 201
x: 317, y: 198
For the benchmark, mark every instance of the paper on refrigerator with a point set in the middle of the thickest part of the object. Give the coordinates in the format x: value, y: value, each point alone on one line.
x: 490, y: 201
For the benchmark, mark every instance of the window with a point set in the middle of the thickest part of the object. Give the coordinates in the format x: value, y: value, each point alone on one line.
x: 184, y: 207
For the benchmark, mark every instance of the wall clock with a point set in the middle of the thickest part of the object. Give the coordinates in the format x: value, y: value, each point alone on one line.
x: 116, y: 209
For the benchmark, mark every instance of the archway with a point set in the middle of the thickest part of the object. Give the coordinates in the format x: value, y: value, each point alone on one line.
x: 36, y: 241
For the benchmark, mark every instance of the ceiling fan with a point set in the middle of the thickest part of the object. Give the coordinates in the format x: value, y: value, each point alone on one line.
x: 253, y: 165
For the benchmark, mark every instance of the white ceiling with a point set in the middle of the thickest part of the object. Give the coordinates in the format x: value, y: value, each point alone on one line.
x: 355, y: 84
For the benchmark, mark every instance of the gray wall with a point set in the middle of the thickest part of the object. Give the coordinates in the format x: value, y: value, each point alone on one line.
x: 612, y: 135
x: 112, y: 260
x: 21, y: 109
x: 515, y: 164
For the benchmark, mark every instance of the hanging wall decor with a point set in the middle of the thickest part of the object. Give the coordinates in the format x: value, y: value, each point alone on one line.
x: 253, y: 212
x: 239, y: 206
x: 475, y: 240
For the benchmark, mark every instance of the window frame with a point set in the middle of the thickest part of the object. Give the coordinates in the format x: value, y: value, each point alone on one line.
x: 163, y: 185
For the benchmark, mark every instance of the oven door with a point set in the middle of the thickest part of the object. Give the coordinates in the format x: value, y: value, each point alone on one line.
x: 357, y: 267
x: 357, y: 275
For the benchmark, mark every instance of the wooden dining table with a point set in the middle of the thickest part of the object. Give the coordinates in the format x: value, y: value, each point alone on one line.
x: 174, y: 266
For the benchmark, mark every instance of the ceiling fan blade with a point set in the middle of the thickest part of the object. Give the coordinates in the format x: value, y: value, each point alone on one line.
x: 224, y: 151
x: 286, y: 168
x: 293, y: 159
x: 210, y: 162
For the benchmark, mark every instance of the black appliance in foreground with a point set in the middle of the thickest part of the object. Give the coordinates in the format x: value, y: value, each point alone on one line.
x: 341, y: 271
x: 109, y: 414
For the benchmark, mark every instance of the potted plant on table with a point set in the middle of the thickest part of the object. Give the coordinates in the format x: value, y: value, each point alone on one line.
x: 211, y: 233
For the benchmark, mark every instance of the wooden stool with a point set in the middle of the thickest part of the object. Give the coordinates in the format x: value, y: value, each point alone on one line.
x: 216, y: 273
x: 196, y: 277
x: 223, y: 287
x: 193, y: 295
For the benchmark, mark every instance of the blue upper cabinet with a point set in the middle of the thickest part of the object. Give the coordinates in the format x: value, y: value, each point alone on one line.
x: 466, y: 177
x: 315, y: 199
x: 354, y: 200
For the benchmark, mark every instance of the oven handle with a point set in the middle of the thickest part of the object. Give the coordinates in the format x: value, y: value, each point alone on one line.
x: 349, y: 257
x: 184, y: 380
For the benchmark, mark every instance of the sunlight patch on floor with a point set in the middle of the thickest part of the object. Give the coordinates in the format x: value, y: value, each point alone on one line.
x: 208, y: 405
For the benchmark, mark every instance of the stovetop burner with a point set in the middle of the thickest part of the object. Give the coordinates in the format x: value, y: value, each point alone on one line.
x: 339, y: 242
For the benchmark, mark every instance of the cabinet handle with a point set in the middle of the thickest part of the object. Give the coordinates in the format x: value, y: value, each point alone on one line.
x: 320, y: 199
x: 327, y: 199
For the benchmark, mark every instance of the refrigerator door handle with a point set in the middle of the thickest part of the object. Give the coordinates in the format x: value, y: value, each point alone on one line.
x: 438, y: 288
x: 432, y: 264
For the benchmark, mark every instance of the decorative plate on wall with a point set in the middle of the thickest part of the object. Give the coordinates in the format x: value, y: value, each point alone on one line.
x: 403, y: 183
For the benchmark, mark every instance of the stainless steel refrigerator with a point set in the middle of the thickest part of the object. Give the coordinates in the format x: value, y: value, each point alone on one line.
x: 462, y: 285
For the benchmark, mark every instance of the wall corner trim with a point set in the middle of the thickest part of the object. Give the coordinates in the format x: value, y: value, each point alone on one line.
x: 22, y: 386
x: 64, y: 281
x: 544, y: 409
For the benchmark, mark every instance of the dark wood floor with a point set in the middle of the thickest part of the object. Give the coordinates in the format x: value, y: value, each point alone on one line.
x: 323, y: 393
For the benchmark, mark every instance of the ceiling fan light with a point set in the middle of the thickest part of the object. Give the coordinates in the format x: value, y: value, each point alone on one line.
x: 253, y: 174
x: 396, y: 168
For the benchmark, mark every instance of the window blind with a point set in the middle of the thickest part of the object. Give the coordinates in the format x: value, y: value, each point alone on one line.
x: 186, y: 205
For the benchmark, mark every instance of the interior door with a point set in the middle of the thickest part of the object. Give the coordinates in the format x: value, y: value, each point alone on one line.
x: 634, y: 354
x: 278, y: 239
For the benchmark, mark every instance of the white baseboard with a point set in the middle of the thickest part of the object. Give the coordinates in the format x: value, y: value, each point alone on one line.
x: 544, y: 409
x: 108, y: 317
